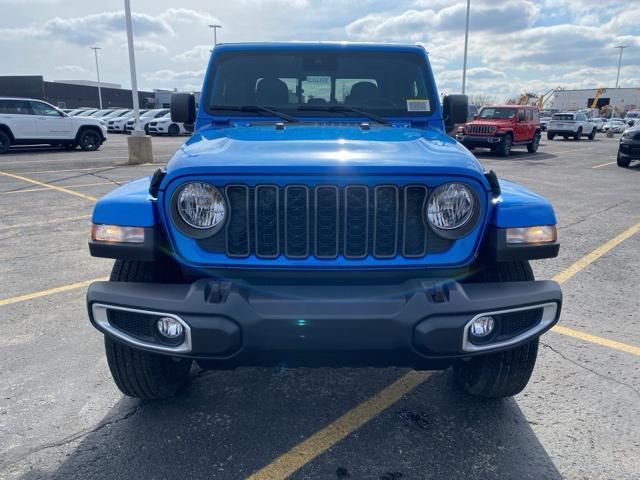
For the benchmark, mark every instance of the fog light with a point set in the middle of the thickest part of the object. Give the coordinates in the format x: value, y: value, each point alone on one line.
x: 540, y: 234
x: 170, y: 328
x: 482, y: 326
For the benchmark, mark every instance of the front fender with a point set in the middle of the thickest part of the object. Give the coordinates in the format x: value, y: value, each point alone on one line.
x: 520, y: 207
x: 129, y: 205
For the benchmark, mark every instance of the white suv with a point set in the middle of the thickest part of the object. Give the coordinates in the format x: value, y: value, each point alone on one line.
x: 571, y: 124
x: 24, y: 121
x: 165, y: 126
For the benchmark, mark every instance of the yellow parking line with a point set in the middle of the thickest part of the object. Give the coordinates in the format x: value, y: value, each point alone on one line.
x: 605, y: 342
x: 68, y: 170
x: 45, y: 222
x: 319, y: 442
x: 50, y: 291
x: 48, y: 185
x: 43, y: 189
x: 604, y: 165
x: 596, y: 254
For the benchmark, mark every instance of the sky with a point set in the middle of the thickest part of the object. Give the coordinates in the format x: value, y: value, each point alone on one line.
x: 515, y: 46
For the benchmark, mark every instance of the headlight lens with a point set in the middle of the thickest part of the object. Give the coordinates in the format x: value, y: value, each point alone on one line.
x: 450, y: 206
x: 201, y: 205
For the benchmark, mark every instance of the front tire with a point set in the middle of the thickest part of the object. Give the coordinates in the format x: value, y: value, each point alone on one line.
x: 89, y: 140
x: 505, y: 146
x: 506, y: 373
x: 551, y: 136
x: 535, y: 143
x: 592, y: 135
x: 578, y: 135
x: 174, y: 130
x: 138, y: 373
x: 623, y: 162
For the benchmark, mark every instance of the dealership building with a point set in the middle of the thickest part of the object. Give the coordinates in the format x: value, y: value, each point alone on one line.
x: 620, y: 99
x: 73, y: 93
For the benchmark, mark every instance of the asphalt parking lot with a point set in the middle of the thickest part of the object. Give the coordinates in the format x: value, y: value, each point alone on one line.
x: 61, y: 416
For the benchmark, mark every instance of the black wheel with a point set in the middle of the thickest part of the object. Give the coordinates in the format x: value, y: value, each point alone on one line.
x: 578, y: 134
x: 174, y: 130
x: 501, y: 374
x: 566, y: 137
x: 138, y: 373
x: 89, y: 140
x: 504, y: 149
x: 535, y: 143
x: 146, y: 129
x: 5, y: 142
x: 551, y: 136
x: 623, y: 162
x: 592, y: 135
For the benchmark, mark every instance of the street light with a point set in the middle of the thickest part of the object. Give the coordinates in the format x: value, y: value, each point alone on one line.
x: 215, y: 33
x: 621, y: 47
x: 132, y: 68
x: 466, y: 43
x: 95, y: 51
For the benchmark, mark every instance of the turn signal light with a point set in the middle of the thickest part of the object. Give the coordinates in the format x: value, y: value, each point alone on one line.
x: 539, y: 234
x: 117, y: 234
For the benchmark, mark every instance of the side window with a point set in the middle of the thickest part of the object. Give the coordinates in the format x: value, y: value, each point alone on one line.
x: 521, y: 115
x: 15, y: 107
x: 536, y: 116
x: 40, y: 108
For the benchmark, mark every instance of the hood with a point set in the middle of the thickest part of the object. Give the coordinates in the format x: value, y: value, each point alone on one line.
x: 491, y: 121
x: 322, y: 149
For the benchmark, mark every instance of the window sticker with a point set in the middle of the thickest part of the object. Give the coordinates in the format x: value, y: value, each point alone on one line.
x: 418, y: 105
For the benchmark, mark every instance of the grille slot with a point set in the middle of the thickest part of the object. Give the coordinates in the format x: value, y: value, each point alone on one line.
x: 326, y: 222
x: 267, y: 221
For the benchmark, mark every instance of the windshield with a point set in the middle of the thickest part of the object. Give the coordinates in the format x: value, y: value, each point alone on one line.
x: 494, y: 113
x: 633, y: 114
x: 381, y: 83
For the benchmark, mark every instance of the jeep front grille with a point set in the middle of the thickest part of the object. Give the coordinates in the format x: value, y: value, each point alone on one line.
x: 480, y: 129
x: 326, y: 222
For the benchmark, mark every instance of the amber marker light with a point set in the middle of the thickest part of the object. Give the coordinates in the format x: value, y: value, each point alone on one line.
x: 117, y: 234
x: 539, y: 234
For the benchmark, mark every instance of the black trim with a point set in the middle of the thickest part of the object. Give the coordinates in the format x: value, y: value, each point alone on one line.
x: 154, y: 186
x: 144, y: 252
x: 500, y: 251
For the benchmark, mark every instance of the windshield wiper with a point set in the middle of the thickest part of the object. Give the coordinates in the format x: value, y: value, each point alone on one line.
x: 345, y: 109
x: 257, y: 108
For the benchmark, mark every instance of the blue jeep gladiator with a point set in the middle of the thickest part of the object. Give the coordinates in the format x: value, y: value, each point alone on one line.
x: 320, y: 216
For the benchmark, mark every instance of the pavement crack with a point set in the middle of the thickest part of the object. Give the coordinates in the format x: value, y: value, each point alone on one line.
x: 584, y: 367
x: 11, y: 460
x: 587, y: 217
x: 105, y: 178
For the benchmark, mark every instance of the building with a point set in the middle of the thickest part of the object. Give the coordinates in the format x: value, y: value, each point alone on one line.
x: 619, y: 99
x: 71, y: 95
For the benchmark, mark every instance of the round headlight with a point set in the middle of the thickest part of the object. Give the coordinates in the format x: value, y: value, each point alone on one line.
x: 450, y: 206
x: 201, y: 205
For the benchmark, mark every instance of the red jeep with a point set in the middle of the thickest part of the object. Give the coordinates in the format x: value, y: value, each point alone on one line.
x: 500, y: 127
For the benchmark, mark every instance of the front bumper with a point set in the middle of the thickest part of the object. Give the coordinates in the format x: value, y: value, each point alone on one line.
x: 479, y: 140
x: 630, y: 149
x: 561, y: 131
x: 418, y: 323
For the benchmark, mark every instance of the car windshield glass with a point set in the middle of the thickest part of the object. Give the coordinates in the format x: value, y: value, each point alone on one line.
x: 563, y: 116
x: 497, y: 113
x: 380, y: 83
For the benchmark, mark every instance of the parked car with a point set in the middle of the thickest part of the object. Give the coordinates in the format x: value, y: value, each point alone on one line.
x: 368, y: 237
x: 598, y: 122
x: 629, y: 146
x: 544, y: 122
x: 615, y: 125
x: 571, y: 124
x: 86, y: 112
x: 501, y: 127
x: 99, y: 113
x: 119, y: 113
x: 25, y: 121
x: 632, y: 116
x: 165, y: 126
x: 117, y: 125
x: 145, y: 119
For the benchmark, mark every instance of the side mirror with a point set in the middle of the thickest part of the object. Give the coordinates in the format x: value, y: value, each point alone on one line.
x: 455, y: 109
x: 183, y: 108
x: 475, y: 117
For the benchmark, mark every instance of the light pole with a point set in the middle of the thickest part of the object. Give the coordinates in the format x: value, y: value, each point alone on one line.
x: 621, y: 47
x: 215, y: 33
x: 466, y: 43
x: 132, y: 68
x: 95, y: 51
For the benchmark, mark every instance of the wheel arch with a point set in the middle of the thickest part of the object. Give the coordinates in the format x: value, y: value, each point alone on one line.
x: 5, y: 128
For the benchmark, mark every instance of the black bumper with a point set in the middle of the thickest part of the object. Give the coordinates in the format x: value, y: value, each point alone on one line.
x: 630, y: 149
x: 480, y: 140
x: 418, y: 323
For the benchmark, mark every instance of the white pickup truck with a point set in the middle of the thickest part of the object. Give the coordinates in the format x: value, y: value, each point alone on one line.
x: 571, y: 124
x: 25, y: 121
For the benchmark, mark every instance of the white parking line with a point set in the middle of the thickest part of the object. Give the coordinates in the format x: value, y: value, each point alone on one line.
x: 604, y: 164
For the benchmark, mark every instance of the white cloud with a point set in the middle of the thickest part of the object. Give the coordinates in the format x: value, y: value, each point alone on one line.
x: 148, y: 46
x: 70, y: 69
x: 199, y: 53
